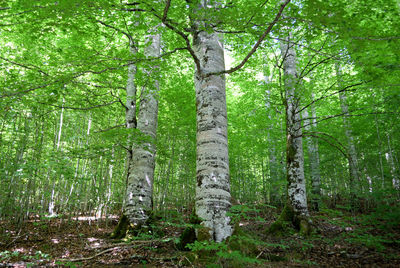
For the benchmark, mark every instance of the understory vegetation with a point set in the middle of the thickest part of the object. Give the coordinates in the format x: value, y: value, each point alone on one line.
x: 200, y: 133
x: 340, y: 238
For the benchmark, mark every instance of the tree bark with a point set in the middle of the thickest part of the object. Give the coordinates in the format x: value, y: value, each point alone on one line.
x: 313, y: 155
x: 351, y: 149
x: 139, y: 195
x: 213, y: 198
x: 295, y: 210
x: 130, y: 113
x: 274, y: 193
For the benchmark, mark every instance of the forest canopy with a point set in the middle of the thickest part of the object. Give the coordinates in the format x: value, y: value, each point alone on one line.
x: 199, y: 107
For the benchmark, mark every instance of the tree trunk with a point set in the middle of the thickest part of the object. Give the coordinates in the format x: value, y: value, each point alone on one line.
x: 393, y: 169
x: 213, y: 198
x: 130, y: 113
x: 351, y: 149
x: 295, y: 209
x: 139, y: 196
x: 313, y: 155
x: 274, y: 195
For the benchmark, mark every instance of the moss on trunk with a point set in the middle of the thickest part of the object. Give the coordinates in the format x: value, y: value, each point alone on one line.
x: 242, y: 242
x: 121, y: 228
x: 189, y: 234
x: 124, y: 228
x: 287, y: 217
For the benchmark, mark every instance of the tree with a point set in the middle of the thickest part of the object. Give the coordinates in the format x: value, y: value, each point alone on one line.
x: 295, y: 210
x: 141, y: 154
x: 313, y: 155
x: 213, y: 198
x: 351, y: 149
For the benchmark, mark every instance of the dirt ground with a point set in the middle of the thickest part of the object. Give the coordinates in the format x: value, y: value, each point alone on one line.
x: 85, y: 242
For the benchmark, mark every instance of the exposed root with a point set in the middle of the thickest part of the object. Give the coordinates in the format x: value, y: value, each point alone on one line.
x: 302, y: 223
x: 96, y: 255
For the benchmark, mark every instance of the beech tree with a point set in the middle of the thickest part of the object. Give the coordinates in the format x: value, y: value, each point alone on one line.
x: 213, y: 198
x: 83, y: 82
x: 296, y: 209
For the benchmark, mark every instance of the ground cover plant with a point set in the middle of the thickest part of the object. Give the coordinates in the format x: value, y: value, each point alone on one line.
x: 199, y: 133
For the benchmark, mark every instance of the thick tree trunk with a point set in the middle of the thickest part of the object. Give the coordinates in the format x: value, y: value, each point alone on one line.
x: 213, y: 198
x: 139, y: 195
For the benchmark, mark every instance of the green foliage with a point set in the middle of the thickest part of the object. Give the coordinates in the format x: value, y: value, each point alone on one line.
x: 243, y: 213
x: 221, y: 254
x: 5, y: 256
x: 69, y: 264
x: 371, y: 241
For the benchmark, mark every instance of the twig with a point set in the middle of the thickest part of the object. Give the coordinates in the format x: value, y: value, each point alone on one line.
x: 15, y: 239
x: 260, y: 254
x: 255, y: 47
x: 96, y: 255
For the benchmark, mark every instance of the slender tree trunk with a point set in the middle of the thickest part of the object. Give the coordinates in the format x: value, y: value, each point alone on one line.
x: 381, y: 169
x: 130, y: 113
x: 53, y: 188
x: 273, y: 165
x: 393, y: 169
x: 139, y: 196
x: 213, y: 198
x: 351, y: 149
x: 313, y: 155
x: 296, y: 209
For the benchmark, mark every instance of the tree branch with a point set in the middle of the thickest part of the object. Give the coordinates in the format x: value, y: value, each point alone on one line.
x: 79, y: 108
x: 34, y: 68
x: 167, y: 5
x: 255, y: 47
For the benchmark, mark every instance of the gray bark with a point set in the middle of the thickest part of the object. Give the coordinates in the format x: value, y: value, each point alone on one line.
x: 351, y: 149
x: 213, y: 198
x: 130, y: 113
x: 273, y: 163
x: 393, y: 169
x: 297, y: 195
x: 313, y: 154
x: 139, y: 195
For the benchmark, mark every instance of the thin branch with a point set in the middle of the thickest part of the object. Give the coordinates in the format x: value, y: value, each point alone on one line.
x: 107, y: 129
x: 258, y: 43
x: 94, y: 256
x: 344, y: 114
x: 330, y: 95
x: 167, y: 5
x: 119, y: 100
x: 115, y: 28
x: 34, y: 68
x: 79, y: 108
x: 187, y: 41
x: 29, y: 90
x: 313, y: 134
x: 309, y: 48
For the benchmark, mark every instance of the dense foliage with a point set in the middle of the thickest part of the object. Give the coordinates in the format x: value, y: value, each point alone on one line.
x: 64, y: 64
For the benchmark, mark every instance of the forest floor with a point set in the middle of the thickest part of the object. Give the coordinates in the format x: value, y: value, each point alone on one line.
x: 343, y: 240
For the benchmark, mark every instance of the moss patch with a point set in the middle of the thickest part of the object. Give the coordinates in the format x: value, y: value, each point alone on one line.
x: 121, y: 228
x: 187, y: 237
x: 281, y: 225
x: 242, y: 242
x: 288, y: 217
x: 125, y: 229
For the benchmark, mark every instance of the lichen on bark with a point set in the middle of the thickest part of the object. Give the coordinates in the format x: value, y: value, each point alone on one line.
x: 212, y: 164
x: 295, y: 210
